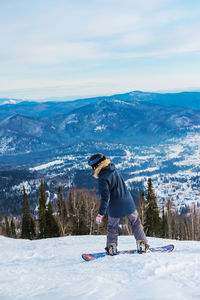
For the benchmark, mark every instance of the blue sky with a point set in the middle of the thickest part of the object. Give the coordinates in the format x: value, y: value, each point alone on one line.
x: 98, y: 47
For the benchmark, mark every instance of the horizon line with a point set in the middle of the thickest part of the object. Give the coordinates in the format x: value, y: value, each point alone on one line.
x: 76, y: 97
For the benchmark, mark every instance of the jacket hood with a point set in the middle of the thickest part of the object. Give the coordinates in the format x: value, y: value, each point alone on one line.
x: 105, y: 163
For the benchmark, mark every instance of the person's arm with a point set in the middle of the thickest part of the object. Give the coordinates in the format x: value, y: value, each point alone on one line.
x: 105, y: 195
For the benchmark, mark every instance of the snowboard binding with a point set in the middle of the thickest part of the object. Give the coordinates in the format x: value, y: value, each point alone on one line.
x: 141, y: 246
x: 111, y: 249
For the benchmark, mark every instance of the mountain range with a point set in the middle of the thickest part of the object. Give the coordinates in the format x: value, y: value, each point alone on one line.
x: 145, y: 134
x: 132, y: 119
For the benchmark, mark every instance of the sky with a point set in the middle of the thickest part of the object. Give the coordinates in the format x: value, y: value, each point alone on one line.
x: 87, y: 48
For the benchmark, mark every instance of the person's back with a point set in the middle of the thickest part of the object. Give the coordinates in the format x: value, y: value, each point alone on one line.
x: 117, y: 200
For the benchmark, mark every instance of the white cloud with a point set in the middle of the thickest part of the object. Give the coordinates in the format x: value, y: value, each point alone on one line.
x: 58, y: 53
x: 89, y: 47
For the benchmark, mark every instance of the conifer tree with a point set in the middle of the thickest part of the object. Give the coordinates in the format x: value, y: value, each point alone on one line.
x: 52, y: 229
x: 42, y: 212
x: 153, y: 226
x: 62, y: 212
x: 28, y: 227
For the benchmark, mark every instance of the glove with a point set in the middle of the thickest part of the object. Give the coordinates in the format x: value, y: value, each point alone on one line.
x: 98, y: 219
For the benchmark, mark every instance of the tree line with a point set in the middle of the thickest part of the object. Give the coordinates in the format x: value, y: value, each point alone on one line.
x: 75, y: 215
x: 167, y: 222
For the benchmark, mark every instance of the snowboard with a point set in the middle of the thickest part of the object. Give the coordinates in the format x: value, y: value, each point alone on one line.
x: 162, y: 249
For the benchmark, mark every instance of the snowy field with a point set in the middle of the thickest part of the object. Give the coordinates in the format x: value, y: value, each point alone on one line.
x: 53, y: 269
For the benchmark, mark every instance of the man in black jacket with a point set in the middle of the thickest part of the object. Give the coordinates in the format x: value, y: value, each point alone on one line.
x: 117, y: 201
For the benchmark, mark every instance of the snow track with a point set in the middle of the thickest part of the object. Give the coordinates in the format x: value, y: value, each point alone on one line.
x: 53, y: 269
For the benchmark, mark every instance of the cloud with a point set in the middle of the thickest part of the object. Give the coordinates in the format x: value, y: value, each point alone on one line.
x: 70, y: 32
x: 58, y: 52
x: 61, y: 44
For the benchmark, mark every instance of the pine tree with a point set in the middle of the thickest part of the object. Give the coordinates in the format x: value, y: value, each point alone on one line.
x: 42, y: 212
x: 28, y: 227
x: 52, y: 229
x: 62, y: 211
x: 153, y: 225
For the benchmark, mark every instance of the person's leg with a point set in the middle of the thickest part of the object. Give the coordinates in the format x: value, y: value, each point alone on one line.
x: 112, y: 230
x: 137, y: 227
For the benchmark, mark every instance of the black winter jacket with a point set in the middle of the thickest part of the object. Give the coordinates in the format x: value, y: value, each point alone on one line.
x: 115, y: 196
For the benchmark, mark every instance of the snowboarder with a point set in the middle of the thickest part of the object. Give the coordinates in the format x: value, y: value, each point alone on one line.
x: 117, y: 200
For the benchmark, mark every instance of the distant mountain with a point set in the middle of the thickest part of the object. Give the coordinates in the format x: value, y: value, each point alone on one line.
x: 184, y: 99
x: 107, y: 120
x: 4, y: 101
x: 20, y: 134
x: 145, y: 134
x: 42, y: 109
x: 189, y: 100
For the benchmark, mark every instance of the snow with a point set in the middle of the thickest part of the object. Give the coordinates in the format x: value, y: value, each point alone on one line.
x: 100, y: 128
x: 122, y: 102
x: 48, y: 165
x: 174, y: 151
x: 145, y: 170
x: 53, y: 269
x: 5, y: 145
x: 72, y: 119
x: 10, y: 101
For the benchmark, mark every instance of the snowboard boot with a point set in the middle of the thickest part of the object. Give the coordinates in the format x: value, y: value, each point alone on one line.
x: 142, y: 247
x: 111, y: 249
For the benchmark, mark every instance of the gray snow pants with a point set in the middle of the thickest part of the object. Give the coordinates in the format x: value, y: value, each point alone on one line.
x: 137, y: 228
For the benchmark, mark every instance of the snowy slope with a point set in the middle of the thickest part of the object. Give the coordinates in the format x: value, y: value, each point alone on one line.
x: 53, y: 269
